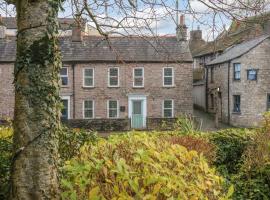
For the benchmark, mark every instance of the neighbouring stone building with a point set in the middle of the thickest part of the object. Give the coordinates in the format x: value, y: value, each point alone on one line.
x: 238, y: 33
x: 126, y: 82
x: 239, y: 83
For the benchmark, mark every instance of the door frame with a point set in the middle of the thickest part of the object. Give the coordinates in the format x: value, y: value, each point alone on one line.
x: 68, y: 99
x: 143, y: 98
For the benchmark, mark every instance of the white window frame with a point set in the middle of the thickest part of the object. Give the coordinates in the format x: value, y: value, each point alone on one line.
x: 172, y: 108
x: 108, y: 109
x: 64, y: 76
x: 93, y: 77
x: 93, y: 104
x: 163, y: 76
x: 118, y: 77
x: 138, y: 86
x: 68, y: 99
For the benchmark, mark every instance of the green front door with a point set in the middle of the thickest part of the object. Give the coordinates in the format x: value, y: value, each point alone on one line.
x: 137, y: 114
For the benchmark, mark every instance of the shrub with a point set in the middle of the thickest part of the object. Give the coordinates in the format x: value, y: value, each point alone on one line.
x: 71, y: 140
x: 139, y: 166
x: 184, y: 124
x: 230, y: 143
x: 199, y: 144
x: 5, y: 160
x: 253, y: 179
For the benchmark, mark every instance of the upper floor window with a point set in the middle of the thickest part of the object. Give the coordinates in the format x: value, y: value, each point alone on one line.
x: 88, y: 109
x: 237, y: 103
x: 237, y: 71
x: 168, y: 108
x: 112, y: 109
x: 64, y: 76
x: 88, y: 77
x: 113, y: 77
x: 168, y: 76
x: 252, y: 74
x: 138, y: 77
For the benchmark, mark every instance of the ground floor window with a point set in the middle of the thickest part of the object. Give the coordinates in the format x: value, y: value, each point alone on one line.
x: 88, y: 109
x: 112, y: 109
x: 168, y: 108
x: 237, y: 103
x: 64, y: 111
x: 268, y: 102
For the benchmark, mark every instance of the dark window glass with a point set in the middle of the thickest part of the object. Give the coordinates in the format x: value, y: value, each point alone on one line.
x: 268, y: 102
x: 252, y: 74
x: 64, y: 111
x: 237, y: 71
x: 113, y: 109
x: 88, y: 109
x: 168, y: 77
x: 236, y: 103
x: 88, y: 77
x: 138, y: 77
x: 168, y: 108
x: 113, y: 77
x: 64, y: 76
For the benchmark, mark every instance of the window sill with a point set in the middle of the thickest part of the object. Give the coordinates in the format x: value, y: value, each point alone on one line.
x: 138, y: 87
x: 88, y: 87
x: 169, y: 86
x: 113, y: 86
x: 236, y: 113
x: 236, y: 80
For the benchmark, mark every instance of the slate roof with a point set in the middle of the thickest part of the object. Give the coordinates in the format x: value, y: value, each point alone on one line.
x: 64, y: 23
x: 238, y: 50
x: 238, y: 32
x: 97, y: 49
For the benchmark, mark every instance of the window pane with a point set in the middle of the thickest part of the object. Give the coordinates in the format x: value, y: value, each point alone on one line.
x: 88, y: 81
x: 63, y: 71
x: 88, y: 105
x: 168, y: 113
x: 168, y: 81
x: 113, y: 104
x: 168, y: 104
x: 167, y: 71
x: 252, y: 74
x: 64, y: 80
x: 113, y: 71
x: 237, y: 101
x: 138, y: 72
x: 112, y: 113
x: 237, y: 75
x: 88, y: 113
x: 138, y: 82
x: 64, y: 110
x: 114, y: 81
x: 88, y: 72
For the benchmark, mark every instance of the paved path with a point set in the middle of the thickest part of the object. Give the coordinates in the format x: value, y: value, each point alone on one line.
x: 207, y: 121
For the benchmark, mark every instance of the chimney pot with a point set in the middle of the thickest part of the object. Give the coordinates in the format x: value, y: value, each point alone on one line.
x: 182, y: 20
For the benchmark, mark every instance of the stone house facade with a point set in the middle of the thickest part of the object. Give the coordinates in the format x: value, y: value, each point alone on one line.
x: 239, y: 83
x: 133, y: 79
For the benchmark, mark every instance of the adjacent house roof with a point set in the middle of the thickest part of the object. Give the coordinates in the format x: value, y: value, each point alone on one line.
x: 64, y: 23
x: 238, y: 50
x: 127, y: 49
x: 238, y: 32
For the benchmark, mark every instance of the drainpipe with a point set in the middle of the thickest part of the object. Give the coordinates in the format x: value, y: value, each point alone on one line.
x: 206, y: 87
x: 73, y: 88
x: 229, y: 114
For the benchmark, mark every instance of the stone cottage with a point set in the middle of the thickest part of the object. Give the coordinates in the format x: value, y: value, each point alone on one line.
x: 239, y: 82
x: 128, y: 82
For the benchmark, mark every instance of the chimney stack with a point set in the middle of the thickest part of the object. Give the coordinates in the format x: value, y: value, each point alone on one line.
x: 181, y: 29
x: 196, y: 35
x: 77, y: 33
x: 3, y: 29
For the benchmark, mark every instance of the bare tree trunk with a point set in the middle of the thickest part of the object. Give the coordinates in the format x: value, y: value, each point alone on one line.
x: 37, y: 108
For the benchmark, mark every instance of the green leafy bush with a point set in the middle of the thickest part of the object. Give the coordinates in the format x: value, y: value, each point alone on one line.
x: 71, y: 140
x: 231, y: 144
x: 139, y: 166
x: 5, y: 160
x: 253, y: 179
x: 185, y: 125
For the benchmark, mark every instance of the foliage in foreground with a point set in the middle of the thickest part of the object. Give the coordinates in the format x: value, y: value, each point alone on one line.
x: 5, y: 159
x: 139, y: 166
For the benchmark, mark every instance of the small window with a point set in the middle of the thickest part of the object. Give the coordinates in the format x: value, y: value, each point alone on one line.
x: 237, y: 71
x: 65, y: 109
x: 88, y: 77
x: 64, y: 76
x: 252, y: 74
x: 168, y: 79
x: 112, y: 109
x: 268, y: 102
x: 236, y: 103
x: 138, y: 77
x: 113, y: 77
x: 168, y: 108
x: 88, y: 109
